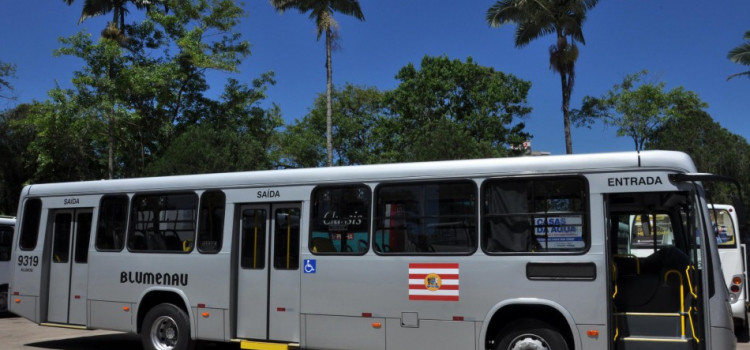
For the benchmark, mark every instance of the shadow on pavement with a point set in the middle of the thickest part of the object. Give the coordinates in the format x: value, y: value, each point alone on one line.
x: 114, y: 342
x: 107, y: 341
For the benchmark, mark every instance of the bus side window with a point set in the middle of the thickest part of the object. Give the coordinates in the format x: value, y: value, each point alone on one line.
x: 30, y: 228
x: 340, y: 220
x: 113, y: 219
x: 211, y: 222
x: 6, y: 241
x: 535, y: 215
x: 426, y: 218
x: 166, y: 222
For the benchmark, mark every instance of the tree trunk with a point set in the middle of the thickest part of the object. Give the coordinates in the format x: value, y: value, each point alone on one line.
x: 566, y: 112
x: 329, y: 88
x: 111, y: 160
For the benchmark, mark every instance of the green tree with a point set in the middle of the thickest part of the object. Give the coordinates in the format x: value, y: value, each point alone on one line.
x: 7, y: 70
x: 235, y: 134
x: 713, y: 148
x: 357, y: 114
x: 321, y: 11
x: 741, y: 55
x: 150, y: 88
x: 535, y: 19
x: 637, y: 108
x: 449, y: 109
x: 18, y: 164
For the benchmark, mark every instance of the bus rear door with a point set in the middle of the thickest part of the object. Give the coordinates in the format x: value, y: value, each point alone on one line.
x: 68, y: 266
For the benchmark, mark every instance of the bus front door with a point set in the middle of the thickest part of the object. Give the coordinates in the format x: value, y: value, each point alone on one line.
x: 68, y: 271
x: 268, y: 279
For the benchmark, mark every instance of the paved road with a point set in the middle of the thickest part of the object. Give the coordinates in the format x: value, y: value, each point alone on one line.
x: 17, y: 333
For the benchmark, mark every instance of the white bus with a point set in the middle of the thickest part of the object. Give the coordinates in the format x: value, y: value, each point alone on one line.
x: 6, y: 242
x: 516, y: 253
x: 732, y: 254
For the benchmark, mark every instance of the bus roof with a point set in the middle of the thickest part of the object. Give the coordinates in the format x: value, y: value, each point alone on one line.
x: 599, y: 162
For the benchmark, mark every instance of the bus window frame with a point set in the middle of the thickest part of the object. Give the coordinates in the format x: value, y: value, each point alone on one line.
x: 368, y: 215
x: 26, y: 221
x: 476, y: 217
x: 585, y: 222
x: 132, y: 222
x: 199, y: 222
x: 124, y: 243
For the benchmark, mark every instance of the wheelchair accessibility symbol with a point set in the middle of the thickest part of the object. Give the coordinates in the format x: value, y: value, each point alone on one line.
x: 309, y: 266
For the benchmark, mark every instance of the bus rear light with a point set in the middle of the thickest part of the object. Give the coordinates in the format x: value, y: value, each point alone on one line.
x: 201, y: 306
x: 737, y: 280
x: 281, y: 309
x: 16, y: 293
x: 458, y: 318
x: 734, y: 288
x: 367, y: 314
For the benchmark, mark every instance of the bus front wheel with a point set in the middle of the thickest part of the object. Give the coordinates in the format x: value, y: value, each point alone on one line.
x: 166, y: 327
x: 530, y: 334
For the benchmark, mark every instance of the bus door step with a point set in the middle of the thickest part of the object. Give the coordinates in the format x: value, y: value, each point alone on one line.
x: 653, y: 324
x: 258, y: 345
x: 650, y: 343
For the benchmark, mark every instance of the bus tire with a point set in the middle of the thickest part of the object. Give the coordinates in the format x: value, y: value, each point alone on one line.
x: 166, y: 327
x: 530, y: 334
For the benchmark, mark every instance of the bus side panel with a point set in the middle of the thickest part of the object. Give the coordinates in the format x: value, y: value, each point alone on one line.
x: 344, y: 333
x: 116, y: 316
x: 432, y: 335
x: 28, y: 278
x: 124, y: 278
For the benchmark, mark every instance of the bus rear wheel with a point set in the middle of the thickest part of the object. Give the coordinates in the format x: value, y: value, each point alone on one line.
x: 530, y: 334
x: 166, y: 327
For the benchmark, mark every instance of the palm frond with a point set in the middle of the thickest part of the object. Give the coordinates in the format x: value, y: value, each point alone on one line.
x: 747, y: 74
x: 93, y: 8
x: 347, y: 7
x: 740, y: 54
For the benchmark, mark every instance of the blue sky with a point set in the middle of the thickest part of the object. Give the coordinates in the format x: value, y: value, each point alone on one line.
x: 681, y: 42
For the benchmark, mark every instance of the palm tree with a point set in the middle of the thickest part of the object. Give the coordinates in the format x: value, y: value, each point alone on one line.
x: 322, y: 12
x: 537, y: 18
x: 741, y: 55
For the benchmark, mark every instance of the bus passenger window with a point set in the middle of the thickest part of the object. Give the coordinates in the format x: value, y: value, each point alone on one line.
x: 163, y: 222
x: 340, y: 220
x: 286, y: 239
x: 113, y: 219
x: 211, y: 222
x: 534, y: 215
x: 30, y: 228
x: 426, y: 218
x: 6, y: 240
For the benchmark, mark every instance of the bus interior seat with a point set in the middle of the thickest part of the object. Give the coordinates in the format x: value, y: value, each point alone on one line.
x: 653, y: 289
x: 322, y: 245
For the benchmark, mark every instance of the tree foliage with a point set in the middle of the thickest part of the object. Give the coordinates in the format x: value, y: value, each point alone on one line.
x: 637, y: 108
x: 7, y: 70
x: 357, y: 115
x: 449, y: 109
x: 713, y: 148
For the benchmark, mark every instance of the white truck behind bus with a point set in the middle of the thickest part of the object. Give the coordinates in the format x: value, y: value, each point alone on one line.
x: 732, y: 254
x: 6, y: 242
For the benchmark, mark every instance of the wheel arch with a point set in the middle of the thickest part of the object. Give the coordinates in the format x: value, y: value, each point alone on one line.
x: 508, y: 311
x: 155, y: 296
